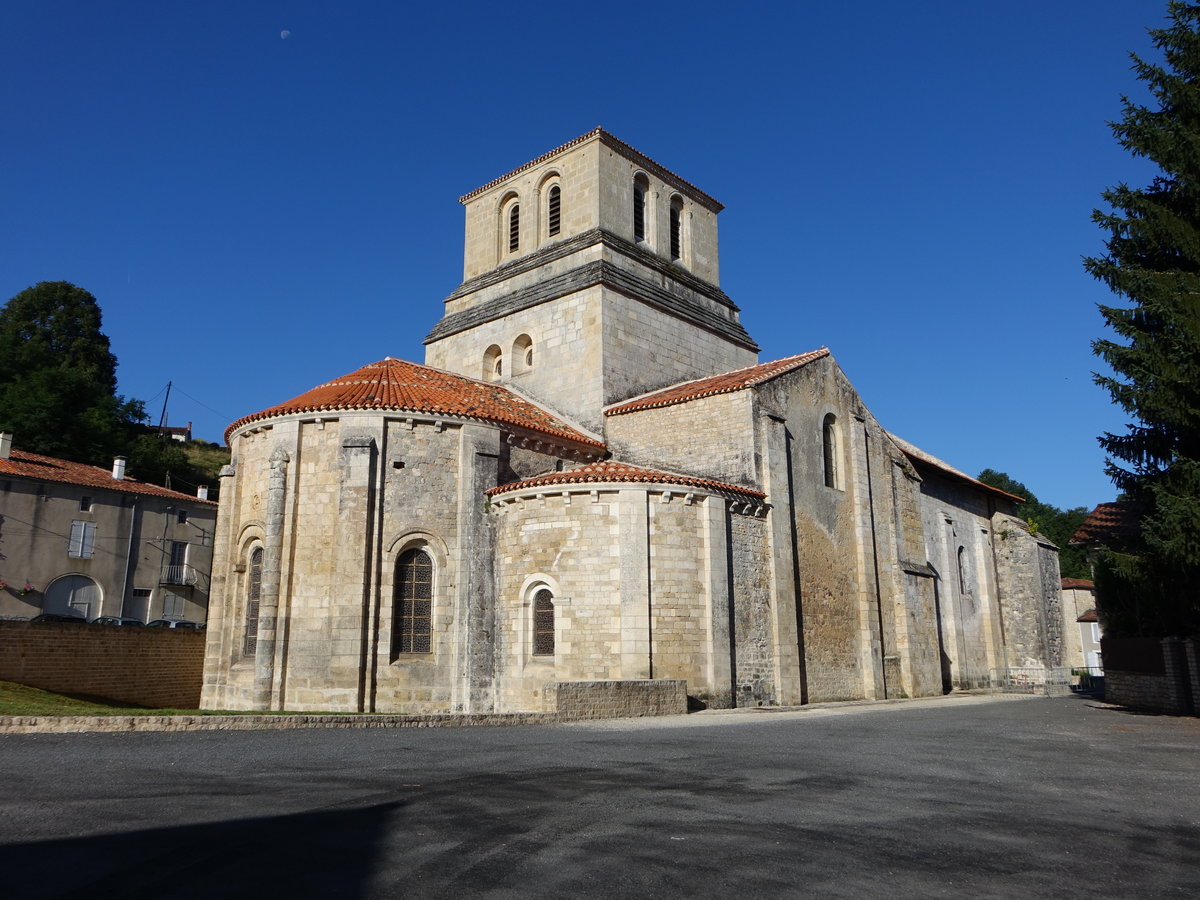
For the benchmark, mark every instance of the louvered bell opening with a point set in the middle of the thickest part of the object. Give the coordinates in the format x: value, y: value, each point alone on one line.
x: 514, y: 229
x: 675, y: 243
x: 555, y: 212
x: 639, y: 214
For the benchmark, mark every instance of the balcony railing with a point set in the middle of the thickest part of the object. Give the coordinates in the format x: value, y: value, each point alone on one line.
x: 178, y: 575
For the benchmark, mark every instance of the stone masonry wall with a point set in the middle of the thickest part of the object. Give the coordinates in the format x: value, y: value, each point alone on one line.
x: 709, y: 437
x: 153, y: 667
x: 678, y: 625
x: 1029, y: 589
x: 617, y: 699
x: 753, y: 633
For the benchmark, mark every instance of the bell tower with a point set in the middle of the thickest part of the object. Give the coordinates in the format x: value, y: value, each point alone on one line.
x: 590, y: 275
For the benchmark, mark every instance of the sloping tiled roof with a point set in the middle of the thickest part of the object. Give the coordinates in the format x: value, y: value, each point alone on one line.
x: 1109, y: 524
x: 611, y: 139
x: 395, y: 384
x: 725, y: 383
x: 609, y: 472
x: 915, y: 453
x: 47, y: 468
x: 1089, y: 616
x: 1070, y: 584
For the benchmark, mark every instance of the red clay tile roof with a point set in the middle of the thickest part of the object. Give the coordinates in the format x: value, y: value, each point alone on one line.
x: 725, y: 383
x: 604, y: 136
x: 1069, y: 584
x: 915, y: 453
x: 1089, y: 616
x: 608, y: 472
x: 1110, y: 524
x: 47, y: 468
x: 395, y: 384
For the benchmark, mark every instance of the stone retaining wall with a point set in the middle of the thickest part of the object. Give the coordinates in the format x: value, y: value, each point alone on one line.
x: 617, y: 699
x: 153, y: 667
x: 68, y: 724
x: 1176, y: 691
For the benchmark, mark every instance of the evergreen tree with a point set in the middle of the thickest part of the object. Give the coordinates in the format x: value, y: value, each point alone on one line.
x: 1153, y: 261
x: 58, y: 377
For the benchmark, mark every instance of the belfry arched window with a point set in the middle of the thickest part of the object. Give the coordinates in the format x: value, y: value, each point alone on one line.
x: 676, y: 227
x: 543, y: 623
x: 514, y: 228
x: 641, y: 188
x: 412, y: 605
x: 522, y: 354
x: 253, y: 598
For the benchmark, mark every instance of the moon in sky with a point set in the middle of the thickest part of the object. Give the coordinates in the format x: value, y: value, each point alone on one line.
x: 283, y: 35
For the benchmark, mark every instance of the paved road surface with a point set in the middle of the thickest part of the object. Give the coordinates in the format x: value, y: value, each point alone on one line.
x: 960, y: 797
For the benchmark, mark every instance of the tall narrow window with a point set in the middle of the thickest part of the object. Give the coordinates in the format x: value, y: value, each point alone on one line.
x: 554, y: 211
x: 412, y: 603
x: 829, y: 451
x: 543, y: 623
x: 639, y: 209
x: 253, y: 597
x: 676, y: 228
x: 514, y: 228
x: 83, y: 540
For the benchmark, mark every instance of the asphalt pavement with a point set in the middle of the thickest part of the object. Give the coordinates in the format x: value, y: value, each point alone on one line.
x: 958, y: 797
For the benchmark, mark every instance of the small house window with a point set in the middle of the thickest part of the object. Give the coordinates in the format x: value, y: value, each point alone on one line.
x: 82, y: 544
x: 412, y: 603
x: 181, y: 516
x: 85, y: 504
x: 514, y: 228
x: 543, y: 623
x: 253, y: 598
x: 554, y: 211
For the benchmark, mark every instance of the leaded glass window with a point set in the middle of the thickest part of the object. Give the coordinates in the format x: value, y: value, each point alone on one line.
x: 413, y: 602
x: 543, y: 623
x: 253, y: 596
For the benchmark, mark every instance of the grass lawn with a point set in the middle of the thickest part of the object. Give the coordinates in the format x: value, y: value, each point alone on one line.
x: 22, y: 700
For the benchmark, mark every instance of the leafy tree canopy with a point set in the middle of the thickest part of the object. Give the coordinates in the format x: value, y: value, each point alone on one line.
x: 1153, y: 262
x: 1058, y: 525
x: 58, y: 376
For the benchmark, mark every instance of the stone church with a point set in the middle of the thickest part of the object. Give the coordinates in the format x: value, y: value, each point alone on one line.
x: 592, y: 477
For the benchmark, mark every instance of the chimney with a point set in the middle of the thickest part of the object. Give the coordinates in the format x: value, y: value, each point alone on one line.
x: 5, y: 444
x: 119, y: 468
x: 202, y: 492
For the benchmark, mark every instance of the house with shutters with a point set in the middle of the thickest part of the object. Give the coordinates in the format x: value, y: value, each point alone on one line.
x: 85, y: 541
x: 593, y: 478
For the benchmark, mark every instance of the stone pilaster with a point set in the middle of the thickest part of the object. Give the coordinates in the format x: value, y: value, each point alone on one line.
x: 635, y: 584
x: 268, y: 610
x: 716, y: 562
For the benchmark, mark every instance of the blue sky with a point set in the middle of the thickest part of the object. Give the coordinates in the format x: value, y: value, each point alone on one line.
x: 263, y: 195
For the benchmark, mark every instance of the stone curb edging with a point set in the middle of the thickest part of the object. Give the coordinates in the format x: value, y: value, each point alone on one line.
x: 109, y: 724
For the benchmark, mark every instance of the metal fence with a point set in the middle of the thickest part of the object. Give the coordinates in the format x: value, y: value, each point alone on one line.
x: 1049, y: 680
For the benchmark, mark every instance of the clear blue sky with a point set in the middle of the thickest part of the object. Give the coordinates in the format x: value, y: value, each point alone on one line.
x: 263, y: 195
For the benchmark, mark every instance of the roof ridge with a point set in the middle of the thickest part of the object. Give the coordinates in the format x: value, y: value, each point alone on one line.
x: 675, y: 393
x: 615, y: 471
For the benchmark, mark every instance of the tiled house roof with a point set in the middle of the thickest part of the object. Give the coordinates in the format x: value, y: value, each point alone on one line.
x: 395, y: 384
x: 725, y: 383
x: 47, y: 468
x: 1090, y: 616
x: 1109, y: 524
x: 1070, y: 584
x: 609, y: 472
x: 916, y: 454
